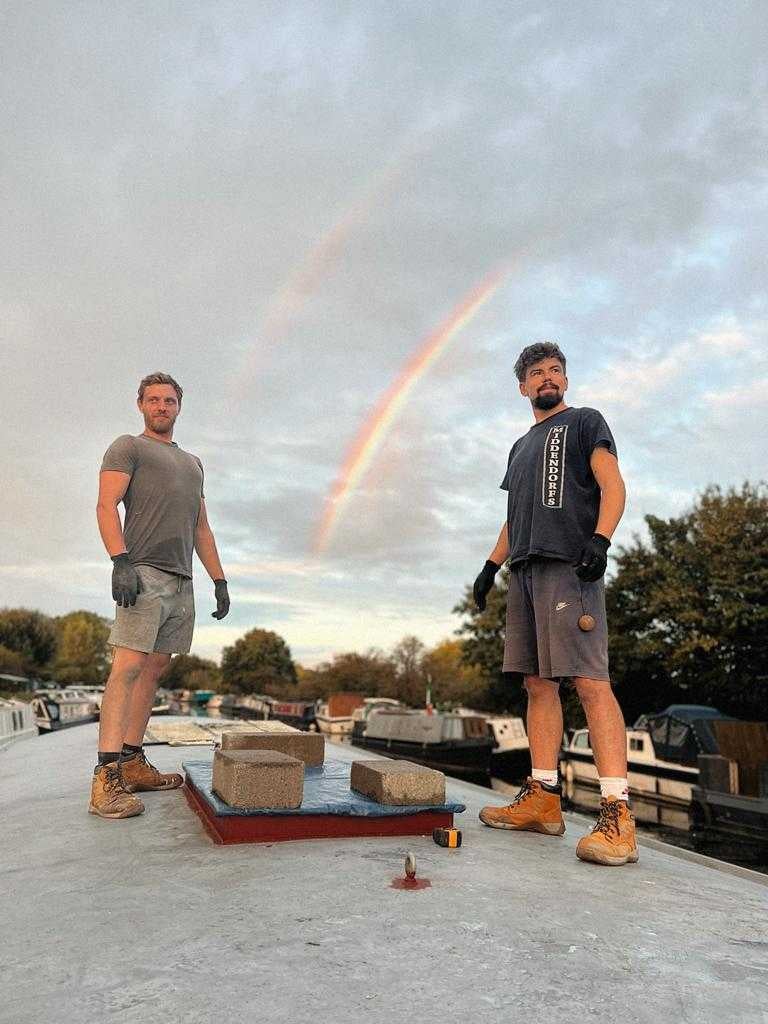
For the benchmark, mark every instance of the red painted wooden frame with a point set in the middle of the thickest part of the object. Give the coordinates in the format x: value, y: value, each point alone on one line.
x: 278, y: 828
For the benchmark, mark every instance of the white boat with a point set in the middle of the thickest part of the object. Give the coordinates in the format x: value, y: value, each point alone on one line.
x: 17, y: 721
x: 650, y: 777
x: 511, y: 756
x: 54, y: 710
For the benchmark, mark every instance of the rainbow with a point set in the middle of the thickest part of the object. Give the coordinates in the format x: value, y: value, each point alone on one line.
x: 323, y: 257
x: 371, y: 435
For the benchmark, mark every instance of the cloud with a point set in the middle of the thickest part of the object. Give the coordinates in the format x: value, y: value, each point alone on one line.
x: 162, y: 192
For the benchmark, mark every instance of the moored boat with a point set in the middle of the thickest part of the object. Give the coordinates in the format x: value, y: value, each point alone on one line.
x: 662, y: 752
x: 334, y: 715
x: 511, y: 756
x: 453, y: 743
x: 729, y: 806
x: 17, y: 721
x: 53, y: 710
x: 298, y: 713
x: 249, y: 706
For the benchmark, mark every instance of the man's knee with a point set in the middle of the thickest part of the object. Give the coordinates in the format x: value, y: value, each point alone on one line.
x: 127, y: 666
x: 594, y: 691
x: 541, y: 689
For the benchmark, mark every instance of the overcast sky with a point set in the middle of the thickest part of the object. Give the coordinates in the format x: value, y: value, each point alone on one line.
x: 278, y: 202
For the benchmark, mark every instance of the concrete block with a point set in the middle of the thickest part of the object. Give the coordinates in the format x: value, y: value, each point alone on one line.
x: 398, y: 782
x: 258, y: 778
x: 308, y: 747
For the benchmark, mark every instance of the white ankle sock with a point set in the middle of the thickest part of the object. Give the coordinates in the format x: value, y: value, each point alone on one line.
x: 614, y: 787
x: 545, y: 775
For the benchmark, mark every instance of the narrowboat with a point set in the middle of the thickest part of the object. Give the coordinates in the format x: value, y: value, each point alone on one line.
x: 452, y: 743
x: 53, y: 710
x: 17, y: 721
x: 298, y: 713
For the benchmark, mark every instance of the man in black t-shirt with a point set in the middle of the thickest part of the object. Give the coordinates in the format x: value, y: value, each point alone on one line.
x: 565, y: 499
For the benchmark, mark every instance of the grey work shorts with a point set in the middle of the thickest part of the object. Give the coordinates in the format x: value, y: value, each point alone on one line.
x: 163, y: 618
x: 542, y: 637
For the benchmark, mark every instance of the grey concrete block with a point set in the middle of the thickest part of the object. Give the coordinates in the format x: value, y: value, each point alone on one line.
x: 258, y: 778
x: 398, y: 782
x: 308, y: 747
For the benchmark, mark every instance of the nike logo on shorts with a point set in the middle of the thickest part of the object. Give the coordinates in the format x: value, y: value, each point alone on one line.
x: 560, y: 605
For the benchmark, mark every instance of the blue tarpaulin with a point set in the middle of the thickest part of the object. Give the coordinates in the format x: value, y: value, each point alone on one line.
x: 326, y: 791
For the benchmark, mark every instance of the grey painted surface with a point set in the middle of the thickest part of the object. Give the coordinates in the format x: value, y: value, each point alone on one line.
x: 145, y: 920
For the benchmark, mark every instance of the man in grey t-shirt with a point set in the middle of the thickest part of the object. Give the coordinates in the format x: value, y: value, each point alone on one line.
x: 565, y: 499
x: 161, y: 488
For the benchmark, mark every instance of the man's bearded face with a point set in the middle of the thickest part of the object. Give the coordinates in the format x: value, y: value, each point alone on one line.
x: 545, y: 384
x: 159, y: 407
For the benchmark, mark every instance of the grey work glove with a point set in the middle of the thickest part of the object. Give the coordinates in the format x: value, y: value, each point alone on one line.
x: 484, y: 583
x: 222, y: 599
x: 593, y: 558
x: 125, y: 581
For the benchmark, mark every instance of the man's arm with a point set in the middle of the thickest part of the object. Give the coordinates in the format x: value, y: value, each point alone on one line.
x: 125, y: 581
x: 500, y: 553
x: 112, y: 487
x: 613, y: 493
x: 205, y: 545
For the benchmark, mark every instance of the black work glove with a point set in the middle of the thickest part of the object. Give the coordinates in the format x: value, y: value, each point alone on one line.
x: 125, y: 581
x: 222, y: 599
x: 593, y: 558
x: 484, y: 582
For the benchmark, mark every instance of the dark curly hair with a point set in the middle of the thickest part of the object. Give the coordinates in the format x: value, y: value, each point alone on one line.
x: 535, y: 353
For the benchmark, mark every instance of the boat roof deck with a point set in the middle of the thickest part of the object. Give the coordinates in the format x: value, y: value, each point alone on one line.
x: 145, y: 920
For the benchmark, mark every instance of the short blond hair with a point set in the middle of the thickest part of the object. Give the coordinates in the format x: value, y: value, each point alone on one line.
x: 159, y: 378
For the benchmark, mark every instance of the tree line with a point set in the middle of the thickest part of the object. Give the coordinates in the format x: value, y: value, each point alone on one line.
x: 687, y: 616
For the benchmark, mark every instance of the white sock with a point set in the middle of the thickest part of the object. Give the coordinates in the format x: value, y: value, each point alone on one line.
x: 545, y: 775
x: 614, y: 787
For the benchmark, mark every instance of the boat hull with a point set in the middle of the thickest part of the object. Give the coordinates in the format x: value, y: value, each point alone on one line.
x: 670, y: 785
x: 730, y: 823
x: 457, y: 757
x: 511, y: 765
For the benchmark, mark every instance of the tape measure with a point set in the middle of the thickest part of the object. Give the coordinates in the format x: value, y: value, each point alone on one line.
x: 450, y: 837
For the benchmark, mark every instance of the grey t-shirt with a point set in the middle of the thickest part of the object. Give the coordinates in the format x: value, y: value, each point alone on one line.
x: 554, y: 498
x: 162, y: 503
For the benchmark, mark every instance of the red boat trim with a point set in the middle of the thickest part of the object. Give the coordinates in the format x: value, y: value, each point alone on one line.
x: 278, y: 828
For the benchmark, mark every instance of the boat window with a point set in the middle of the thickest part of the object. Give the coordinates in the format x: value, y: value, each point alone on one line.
x: 581, y: 740
x: 636, y: 744
x: 453, y: 729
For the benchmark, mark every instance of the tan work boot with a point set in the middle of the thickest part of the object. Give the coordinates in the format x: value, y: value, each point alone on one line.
x: 612, y: 841
x: 536, y: 808
x: 109, y: 798
x: 139, y: 776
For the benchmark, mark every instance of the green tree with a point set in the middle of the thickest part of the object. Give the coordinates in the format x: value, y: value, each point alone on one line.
x: 204, y: 679
x: 370, y: 673
x: 406, y: 656
x: 31, y: 634
x: 82, y: 653
x: 11, y: 661
x: 258, y: 662
x: 688, y: 609
x: 451, y: 680
x: 178, y: 675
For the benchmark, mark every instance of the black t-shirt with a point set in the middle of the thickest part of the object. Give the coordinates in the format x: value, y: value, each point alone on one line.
x: 554, y: 498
